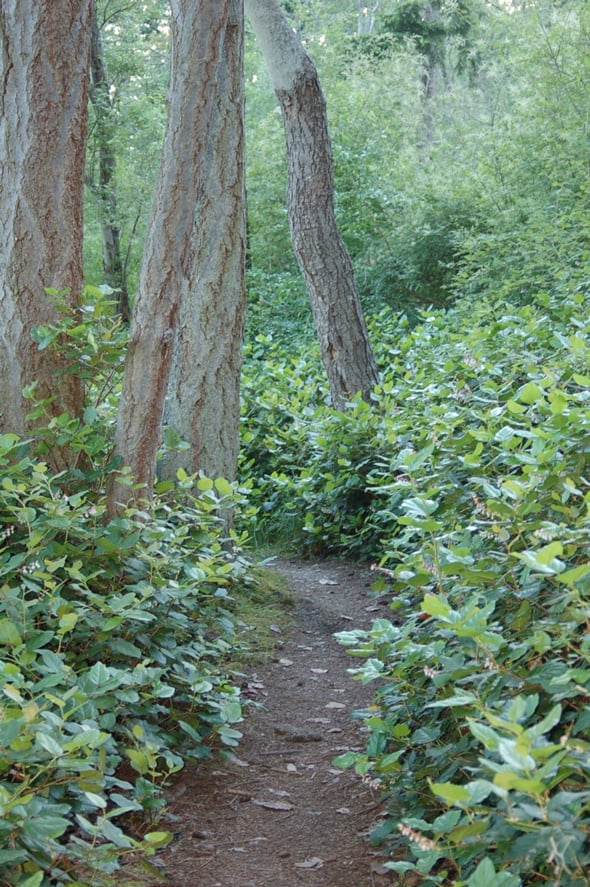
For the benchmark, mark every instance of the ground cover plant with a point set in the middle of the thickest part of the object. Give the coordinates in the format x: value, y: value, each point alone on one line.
x: 119, y: 636
x: 467, y: 482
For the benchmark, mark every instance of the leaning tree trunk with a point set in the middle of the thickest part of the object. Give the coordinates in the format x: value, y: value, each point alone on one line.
x: 203, y: 402
x: 43, y: 120
x: 318, y: 246
x: 198, y: 31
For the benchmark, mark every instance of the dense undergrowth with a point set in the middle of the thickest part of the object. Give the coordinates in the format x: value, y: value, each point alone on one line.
x: 120, y: 638
x: 116, y: 638
x: 467, y: 482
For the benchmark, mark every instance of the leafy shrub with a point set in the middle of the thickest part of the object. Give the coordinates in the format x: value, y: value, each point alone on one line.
x: 477, y: 735
x: 114, y: 637
x: 468, y: 480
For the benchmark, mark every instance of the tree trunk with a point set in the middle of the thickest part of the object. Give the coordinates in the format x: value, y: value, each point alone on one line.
x: 320, y: 251
x: 366, y: 16
x: 112, y: 262
x: 203, y: 402
x: 198, y: 33
x: 45, y: 50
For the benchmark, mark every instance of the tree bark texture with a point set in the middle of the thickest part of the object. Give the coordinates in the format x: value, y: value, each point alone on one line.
x: 318, y: 246
x: 203, y: 401
x: 45, y: 48
x: 198, y: 33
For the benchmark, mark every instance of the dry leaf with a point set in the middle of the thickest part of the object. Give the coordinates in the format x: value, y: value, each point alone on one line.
x: 313, y: 862
x: 335, y: 705
x: 286, y: 662
x: 319, y: 670
x: 343, y: 810
x: 273, y: 805
x: 328, y: 582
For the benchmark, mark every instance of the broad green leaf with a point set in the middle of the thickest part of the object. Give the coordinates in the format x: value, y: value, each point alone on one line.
x: 449, y: 792
x: 530, y: 393
x: 436, y: 606
x: 223, y: 486
x: 49, y: 744
x: 511, y: 754
x: 485, y: 875
x: 9, y: 633
x: 512, y: 781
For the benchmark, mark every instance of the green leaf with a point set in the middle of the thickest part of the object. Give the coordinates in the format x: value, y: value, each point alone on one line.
x: 449, y: 792
x: 485, y: 875
x: 512, y: 781
x: 35, y: 880
x: 223, y: 486
x: 436, y: 606
x: 9, y: 633
x: 511, y: 754
x: 158, y: 839
x: 530, y: 393
x: 49, y: 744
x: 345, y: 760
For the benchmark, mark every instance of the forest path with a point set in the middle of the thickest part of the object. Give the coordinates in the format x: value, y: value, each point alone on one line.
x: 280, y: 813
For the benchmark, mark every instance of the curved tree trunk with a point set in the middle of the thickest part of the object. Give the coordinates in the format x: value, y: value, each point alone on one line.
x: 203, y: 401
x: 198, y: 32
x: 43, y: 120
x: 318, y: 246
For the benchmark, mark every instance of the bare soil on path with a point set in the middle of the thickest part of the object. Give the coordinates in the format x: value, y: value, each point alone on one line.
x: 279, y: 812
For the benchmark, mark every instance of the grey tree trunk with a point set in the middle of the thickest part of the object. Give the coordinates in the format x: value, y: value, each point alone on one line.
x: 318, y: 246
x: 199, y: 31
x: 203, y: 401
x: 44, y: 59
x: 366, y: 16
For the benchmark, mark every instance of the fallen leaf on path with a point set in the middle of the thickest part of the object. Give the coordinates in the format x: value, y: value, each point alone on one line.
x: 273, y: 805
x: 328, y: 582
x: 335, y: 705
x: 276, y: 628
x: 232, y: 759
x: 280, y: 793
x: 343, y: 810
x: 319, y: 670
x: 286, y: 662
x: 291, y: 768
x: 313, y: 862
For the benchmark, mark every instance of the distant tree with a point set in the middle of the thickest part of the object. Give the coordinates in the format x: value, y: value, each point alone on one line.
x: 200, y: 35
x: 44, y: 59
x: 105, y: 187
x: 318, y: 246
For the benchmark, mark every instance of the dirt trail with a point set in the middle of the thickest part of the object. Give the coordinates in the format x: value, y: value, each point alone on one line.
x: 280, y: 813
